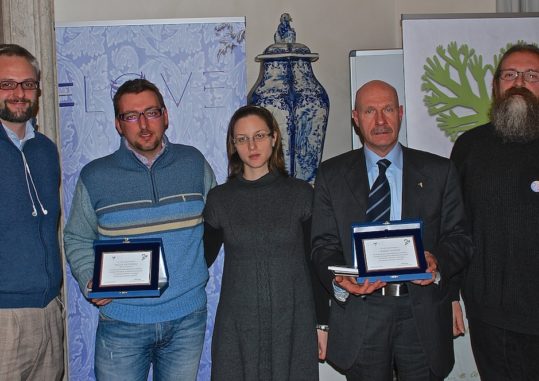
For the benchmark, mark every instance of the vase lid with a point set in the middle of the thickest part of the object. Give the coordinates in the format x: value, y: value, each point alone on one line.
x: 285, y: 44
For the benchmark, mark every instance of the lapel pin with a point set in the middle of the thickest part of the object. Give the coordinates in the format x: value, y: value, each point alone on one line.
x: 420, y: 184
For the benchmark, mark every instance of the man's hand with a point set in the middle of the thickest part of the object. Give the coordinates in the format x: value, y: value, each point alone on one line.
x: 458, y: 319
x: 350, y: 284
x: 98, y: 302
x: 432, y: 267
x: 322, y: 344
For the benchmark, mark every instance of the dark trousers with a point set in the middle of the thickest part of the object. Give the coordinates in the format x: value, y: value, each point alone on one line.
x: 505, y: 355
x: 391, y: 341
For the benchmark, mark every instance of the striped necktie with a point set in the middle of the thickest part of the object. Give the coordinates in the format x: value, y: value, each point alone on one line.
x: 379, y: 196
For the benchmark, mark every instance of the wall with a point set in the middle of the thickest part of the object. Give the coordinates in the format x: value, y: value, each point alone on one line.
x: 330, y: 28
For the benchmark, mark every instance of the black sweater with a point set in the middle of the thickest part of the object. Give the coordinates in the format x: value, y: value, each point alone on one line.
x: 502, y: 203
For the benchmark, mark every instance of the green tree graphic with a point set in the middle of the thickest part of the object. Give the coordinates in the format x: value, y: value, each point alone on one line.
x: 450, y: 96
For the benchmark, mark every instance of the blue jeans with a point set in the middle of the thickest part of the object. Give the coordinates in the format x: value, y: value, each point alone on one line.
x: 124, y: 351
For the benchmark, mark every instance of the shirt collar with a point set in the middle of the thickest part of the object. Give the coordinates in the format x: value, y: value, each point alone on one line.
x: 29, y: 133
x: 143, y: 159
x: 394, y: 156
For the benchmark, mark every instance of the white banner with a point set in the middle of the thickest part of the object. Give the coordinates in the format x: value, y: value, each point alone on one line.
x: 448, y: 68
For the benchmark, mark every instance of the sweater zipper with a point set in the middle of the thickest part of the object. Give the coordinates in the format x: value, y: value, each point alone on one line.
x: 35, y: 213
x: 150, y: 172
x: 40, y: 218
x: 152, y: 177
x: 154, y: 190
x: 46, y: 261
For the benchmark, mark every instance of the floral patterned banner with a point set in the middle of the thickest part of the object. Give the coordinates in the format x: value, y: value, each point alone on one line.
x: 199, y: 66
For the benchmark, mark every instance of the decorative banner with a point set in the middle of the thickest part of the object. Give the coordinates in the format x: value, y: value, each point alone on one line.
x: 449, y: 62
x: 448, y: 66
x: 199, y: 66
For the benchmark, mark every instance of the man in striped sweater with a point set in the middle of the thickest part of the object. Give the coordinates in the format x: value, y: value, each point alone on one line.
x: 148, y: 188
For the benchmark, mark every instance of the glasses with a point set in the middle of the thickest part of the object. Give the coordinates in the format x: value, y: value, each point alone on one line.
x: 530, y: 76
x: 25, y: 85
x: 134, y: 116
x: 258, y: 137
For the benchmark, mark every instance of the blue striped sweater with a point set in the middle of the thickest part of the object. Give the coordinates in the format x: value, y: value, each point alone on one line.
x: 117, y: 196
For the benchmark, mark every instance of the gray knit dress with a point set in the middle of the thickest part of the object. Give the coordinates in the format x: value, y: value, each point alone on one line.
x: 265, y: 327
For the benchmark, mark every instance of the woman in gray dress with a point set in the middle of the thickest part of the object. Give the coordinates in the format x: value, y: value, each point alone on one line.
x: 265, y: 327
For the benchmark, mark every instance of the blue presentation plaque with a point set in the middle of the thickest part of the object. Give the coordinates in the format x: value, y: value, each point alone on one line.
x: 389, y: 252
x: 129, y: 269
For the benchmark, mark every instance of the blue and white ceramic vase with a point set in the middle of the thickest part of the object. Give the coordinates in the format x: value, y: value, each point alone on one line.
x: 288, y: 88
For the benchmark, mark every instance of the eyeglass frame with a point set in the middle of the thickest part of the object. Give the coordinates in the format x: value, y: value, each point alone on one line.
x: 139, y: 113
x: 21, y: 84
x: 254, y: 138
x: 518, y: 74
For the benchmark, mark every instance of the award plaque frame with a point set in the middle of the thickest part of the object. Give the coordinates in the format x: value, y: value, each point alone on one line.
x: 400, y: 234
x: 389, y: 252
x: 129, y: 268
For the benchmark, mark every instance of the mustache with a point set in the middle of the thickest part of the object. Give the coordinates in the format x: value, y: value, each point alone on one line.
x: 11, y: 100
x: 522, y: 91
x: 381, y: 130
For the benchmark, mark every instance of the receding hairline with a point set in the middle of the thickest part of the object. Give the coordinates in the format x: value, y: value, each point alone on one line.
x: 518, y: 48
x: 374, y: 84
x: 527, y: 53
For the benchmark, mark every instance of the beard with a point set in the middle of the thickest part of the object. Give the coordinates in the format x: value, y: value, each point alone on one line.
x: 18, y: 116
x: 515, y: 115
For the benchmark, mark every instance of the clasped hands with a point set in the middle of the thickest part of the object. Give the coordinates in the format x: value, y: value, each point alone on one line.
x: 350, y: 284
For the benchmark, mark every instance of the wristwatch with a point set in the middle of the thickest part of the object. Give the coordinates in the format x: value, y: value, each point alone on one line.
x: 322, y: 327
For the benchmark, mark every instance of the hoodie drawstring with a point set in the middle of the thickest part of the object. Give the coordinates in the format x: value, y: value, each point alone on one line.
x: 28, y: 175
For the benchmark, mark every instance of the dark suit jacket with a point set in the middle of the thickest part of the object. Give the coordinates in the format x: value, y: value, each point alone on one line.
x: 430, y: 192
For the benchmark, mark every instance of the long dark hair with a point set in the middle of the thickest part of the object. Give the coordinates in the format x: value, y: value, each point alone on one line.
x: 276, y: 161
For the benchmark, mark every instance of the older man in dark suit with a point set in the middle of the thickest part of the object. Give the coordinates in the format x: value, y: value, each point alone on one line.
x: 376, y: 327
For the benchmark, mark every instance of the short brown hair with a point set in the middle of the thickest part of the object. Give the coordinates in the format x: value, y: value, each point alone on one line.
x: 135, y: 86
x: 14, y: 50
